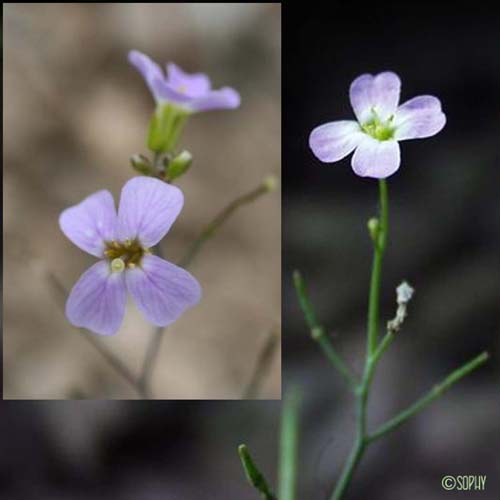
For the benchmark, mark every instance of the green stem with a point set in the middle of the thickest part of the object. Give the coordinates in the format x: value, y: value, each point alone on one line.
x: 361, y: 441
x: 428, y: 398
x: 373, y: 354
x: 254, y: 476
x: 351, y: 464
x: 379, y: 245
x: 318, y: 332
x: 383, y: 345
x: 288, y: 447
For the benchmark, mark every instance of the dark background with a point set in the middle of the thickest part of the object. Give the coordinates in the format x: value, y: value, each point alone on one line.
x: 444, y: 234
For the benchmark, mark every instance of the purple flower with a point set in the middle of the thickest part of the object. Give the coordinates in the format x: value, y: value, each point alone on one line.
x: 380, y: 124
x: 192, y: 92
x: 162, y: 291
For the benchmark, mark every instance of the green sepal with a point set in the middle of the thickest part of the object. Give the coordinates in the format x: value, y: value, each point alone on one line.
x: 165, y: 127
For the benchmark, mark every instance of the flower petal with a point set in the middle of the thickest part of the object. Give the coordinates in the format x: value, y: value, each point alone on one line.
x: 335, y: 140
x: 90, y: 223
x: 378, y: 159
x: 225, y: 98
x: 418, y: 118
x: 193, y: 85
x: 165, y: 92
x: 162, y: 291
x: 97, y: 301
x: 379, y: 92
x: 149, y: 70
x: 148, y: 207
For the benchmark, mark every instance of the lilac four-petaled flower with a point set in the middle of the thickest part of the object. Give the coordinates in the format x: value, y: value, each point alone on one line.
x: 162, y: 291
x: 380, y: 125
x: 192, y: 92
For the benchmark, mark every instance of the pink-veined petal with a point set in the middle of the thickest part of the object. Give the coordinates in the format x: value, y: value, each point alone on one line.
x: 379, y: 93
x: 161, y: 290
x: 225, y: 98
x: 90, y: 223
x: 418, y: 118
x: 335, y: 140
x: 97, y: 301
x: 148, y: 208
x: 149, y: 70
x: 378, y: 159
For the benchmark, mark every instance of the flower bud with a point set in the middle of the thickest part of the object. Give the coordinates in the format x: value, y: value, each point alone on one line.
x: 179, y: 165
x: 373, y: 228
x: 141, y: 164
x: 270, y: 183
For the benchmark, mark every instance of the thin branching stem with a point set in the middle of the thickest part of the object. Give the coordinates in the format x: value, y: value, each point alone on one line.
x: 318, y: 332
x: 375, y: 350
x: 429, y: 397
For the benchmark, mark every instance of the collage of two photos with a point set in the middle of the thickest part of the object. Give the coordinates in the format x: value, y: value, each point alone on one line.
x: 250, y: 251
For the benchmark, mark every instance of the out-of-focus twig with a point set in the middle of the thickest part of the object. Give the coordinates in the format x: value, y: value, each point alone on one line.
x: 116, y: 363
x: 268, y: 184
x: 262, y: 364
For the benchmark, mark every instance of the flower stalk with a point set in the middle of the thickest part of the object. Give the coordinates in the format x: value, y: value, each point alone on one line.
x: 289, y: 446
x: 379, y: 245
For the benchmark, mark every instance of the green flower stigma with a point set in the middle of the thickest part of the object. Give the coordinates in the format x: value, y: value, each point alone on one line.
x: 117, y: 265
x: 379, y: 130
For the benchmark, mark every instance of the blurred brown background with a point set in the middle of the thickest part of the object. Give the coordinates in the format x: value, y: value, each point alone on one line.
x: 75, y: 111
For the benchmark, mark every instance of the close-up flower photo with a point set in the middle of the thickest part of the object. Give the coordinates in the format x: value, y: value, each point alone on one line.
x: 142, y: 171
